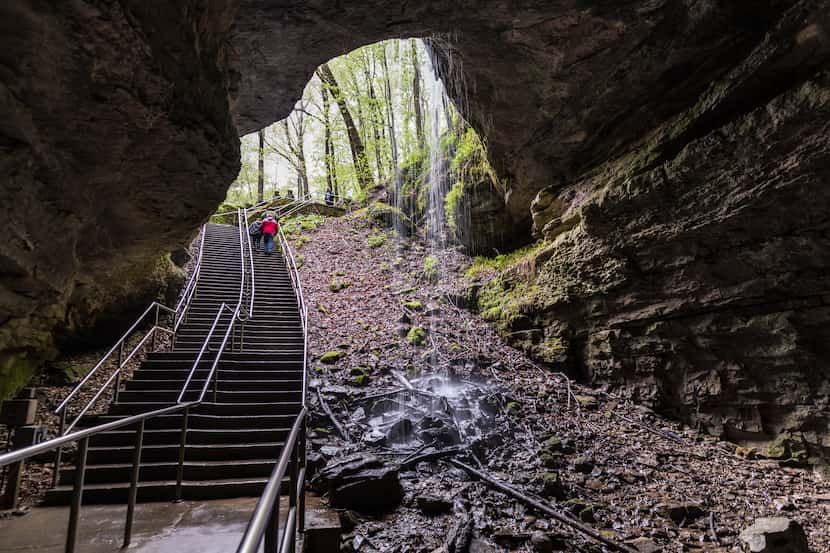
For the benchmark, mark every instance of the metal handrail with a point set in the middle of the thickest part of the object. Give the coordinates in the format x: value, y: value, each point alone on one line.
x: 235, y: 317
x: 82, y: 437
x: 190, y: 290
x: 264, y: 521
x: 252, y: 279
x: 121, y: 363
x: 183, y: 304
x: 294, y: 275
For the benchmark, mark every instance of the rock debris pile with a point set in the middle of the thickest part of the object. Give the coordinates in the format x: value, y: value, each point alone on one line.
x: 396, y: 418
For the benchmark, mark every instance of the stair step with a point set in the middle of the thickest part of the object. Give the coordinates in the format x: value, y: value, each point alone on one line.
x: 160, y: 491
x: 210, y: 408
x: 126, y: 438
x: 118, y: 473
x: 223, y: 396
x: 235, y: 384
x: 193, y: 452
x: 200, y: 421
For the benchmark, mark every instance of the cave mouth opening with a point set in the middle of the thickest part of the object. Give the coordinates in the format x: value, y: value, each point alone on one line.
x: 377, y: 125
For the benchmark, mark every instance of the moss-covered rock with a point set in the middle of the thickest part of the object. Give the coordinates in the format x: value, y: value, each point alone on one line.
x: 552, y: 485
x: 376, y: 240
x: 414, y: 305
x: 336, y: 286
x: 331, y: 357
x: 416, y: 336
x: 360, y: 380
x: 387, y: 216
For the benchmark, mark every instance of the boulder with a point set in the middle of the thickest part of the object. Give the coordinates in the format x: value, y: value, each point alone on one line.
x: 775, y: 535
x: 360, y: 482
x: 681, y: 514
x: 369, y: 491
x: 433, y: 505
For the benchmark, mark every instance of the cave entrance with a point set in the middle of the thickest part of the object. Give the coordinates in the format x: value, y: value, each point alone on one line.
x: 376, y: 125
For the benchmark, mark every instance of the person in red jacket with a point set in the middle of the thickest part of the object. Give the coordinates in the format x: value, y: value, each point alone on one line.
x: 269, y: 228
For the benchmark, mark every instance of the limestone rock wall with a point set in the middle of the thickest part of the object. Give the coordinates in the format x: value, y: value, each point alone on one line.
x: 116, y: 144
x: 691, y: 274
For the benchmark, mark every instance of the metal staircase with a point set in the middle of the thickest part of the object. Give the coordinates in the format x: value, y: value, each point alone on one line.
x: 219, y: 414
x: 234, y: 438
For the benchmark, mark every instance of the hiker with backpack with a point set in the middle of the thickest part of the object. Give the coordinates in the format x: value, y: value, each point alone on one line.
x: 255, y: 232
x: 269, y: 228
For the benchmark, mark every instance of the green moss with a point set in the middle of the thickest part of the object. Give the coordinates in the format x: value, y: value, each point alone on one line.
x: 554, y: 443
x: 512, y: 406
x: 552, y: 350
x: 376, y: 240
x: 360, y: 380
x: 746, y: 452
x: 331, y: 357
x: 452, y: 204
x: 503, y: 301
x: 385, y: 215
x: 336, y: 286
x: 788, y: 448
x: 551, y: 484
x: 431, y: 269
x: 15, y: 372
x: 301, y: 224
x: 499, y: 263
x: 25, y: 349
x: 415, y: 305
x: 416, y: 336
x: 586, y: 402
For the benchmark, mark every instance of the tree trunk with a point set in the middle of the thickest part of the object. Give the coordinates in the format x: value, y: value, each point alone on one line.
x: 361, y: 163
x: 260, y: 189
x: 327, y: 137
x: 416, y: 96
x: 390, y: 112
x: 376, y: 118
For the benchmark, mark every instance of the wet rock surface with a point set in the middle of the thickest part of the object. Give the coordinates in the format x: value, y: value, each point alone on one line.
x: 775, y: 535
x: 643, y: 480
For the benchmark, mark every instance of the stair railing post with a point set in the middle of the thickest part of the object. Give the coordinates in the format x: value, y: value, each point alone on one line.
x: 182, y: 443
x: 293, y: 487
x: 215, y: 383
x: 117, y: 385
x: 77, y: 497
x: 128, y: 526
x: 155, y: 329
x: 59, y: 452
x: 272, y: 531
x: 301, y: 484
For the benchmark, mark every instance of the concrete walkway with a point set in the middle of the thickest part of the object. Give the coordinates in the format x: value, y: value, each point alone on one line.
x: 187, y: 527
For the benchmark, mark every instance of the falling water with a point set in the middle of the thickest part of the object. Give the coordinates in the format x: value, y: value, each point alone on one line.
x: 442, y: 409
x: 437, y: 175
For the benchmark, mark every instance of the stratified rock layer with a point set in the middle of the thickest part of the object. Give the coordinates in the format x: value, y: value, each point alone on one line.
x: 691, y: 274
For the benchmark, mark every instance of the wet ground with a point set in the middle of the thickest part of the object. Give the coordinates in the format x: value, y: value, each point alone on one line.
x: 186, y: 527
